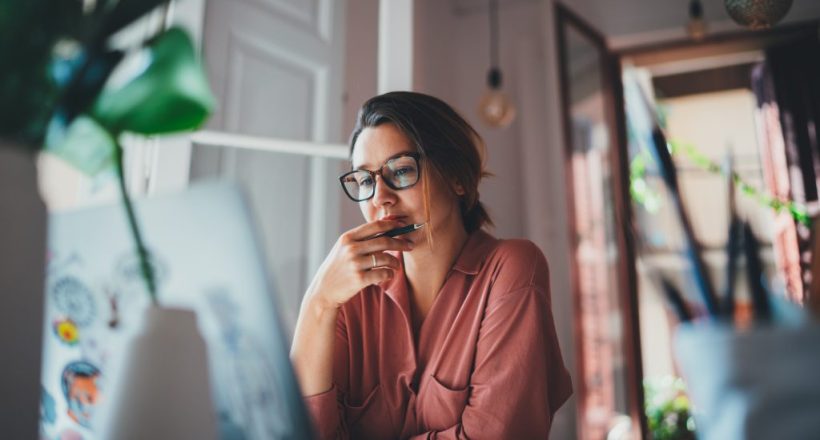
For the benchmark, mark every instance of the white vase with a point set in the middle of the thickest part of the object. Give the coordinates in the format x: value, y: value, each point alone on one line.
x: 22, y: 272
x: 162, y: 390
x: 755, y: 384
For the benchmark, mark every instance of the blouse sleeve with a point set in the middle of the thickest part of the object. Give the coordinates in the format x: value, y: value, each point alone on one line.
x: 519, y: 380
x: 326, y: 408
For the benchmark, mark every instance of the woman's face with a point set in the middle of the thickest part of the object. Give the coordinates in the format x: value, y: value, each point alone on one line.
x: 376, y: 145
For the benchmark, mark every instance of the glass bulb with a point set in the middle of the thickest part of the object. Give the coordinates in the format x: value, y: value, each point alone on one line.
x: 495, y: 109
x: 696, y: 28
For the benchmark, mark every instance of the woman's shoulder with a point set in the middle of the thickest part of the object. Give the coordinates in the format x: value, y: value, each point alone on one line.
x: 517, y: 248
x: 516, y: 252
x: 517, y: 263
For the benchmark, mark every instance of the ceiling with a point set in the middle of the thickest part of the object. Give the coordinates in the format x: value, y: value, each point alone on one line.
x: 616, y: 18
x: 623, y: 17
x: 466, y: 7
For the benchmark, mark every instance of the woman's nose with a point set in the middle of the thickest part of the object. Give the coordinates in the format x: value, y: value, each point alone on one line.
x: 383, y: 194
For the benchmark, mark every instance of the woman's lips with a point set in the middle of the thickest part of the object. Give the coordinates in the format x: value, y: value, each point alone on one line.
x: 393, y: 217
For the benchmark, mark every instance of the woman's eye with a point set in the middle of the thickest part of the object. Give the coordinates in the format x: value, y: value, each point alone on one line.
x: 403, y: 171
x: 365, y: 181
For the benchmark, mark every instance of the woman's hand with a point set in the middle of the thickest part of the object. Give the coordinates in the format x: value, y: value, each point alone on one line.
x: 347, y: 269
x: 355, y: 262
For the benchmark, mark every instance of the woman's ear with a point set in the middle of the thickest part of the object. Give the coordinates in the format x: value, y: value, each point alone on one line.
x: 458, y: 189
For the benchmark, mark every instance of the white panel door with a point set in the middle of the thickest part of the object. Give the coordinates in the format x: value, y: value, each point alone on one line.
x: 276, y: 67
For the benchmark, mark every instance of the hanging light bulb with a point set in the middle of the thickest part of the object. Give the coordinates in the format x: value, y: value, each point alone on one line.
x: 758, y: 14
x: 495, y: 108
x: 696, y: 28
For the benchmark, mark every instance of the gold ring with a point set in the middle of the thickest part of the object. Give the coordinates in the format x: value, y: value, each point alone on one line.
x: 373, y: 256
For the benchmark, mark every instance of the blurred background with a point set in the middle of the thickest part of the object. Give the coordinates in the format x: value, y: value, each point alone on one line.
x: 570, y: 173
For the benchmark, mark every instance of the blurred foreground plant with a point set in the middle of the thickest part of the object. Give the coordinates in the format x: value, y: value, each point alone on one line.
x: 57, y: 90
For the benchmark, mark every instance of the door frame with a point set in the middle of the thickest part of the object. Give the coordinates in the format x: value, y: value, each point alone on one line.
x: 626, y: 270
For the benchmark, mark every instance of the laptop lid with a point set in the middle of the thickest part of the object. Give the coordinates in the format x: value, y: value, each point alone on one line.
x: 205, y: 254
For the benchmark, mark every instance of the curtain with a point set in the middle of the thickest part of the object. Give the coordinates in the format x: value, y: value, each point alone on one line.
x: 787, y: 87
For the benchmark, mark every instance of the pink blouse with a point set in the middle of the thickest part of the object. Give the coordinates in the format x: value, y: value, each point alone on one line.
x: 486, y: 363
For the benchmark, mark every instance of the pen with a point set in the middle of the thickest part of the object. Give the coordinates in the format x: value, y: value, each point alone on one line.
x: 676, y: 301
x: 399, y: 231
x: 666, y: 166
x: 755, y: 276
x: 733, y: 241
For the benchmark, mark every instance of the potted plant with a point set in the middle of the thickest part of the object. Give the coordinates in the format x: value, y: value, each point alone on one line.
x: 667, y: 409
x: 55, y: 94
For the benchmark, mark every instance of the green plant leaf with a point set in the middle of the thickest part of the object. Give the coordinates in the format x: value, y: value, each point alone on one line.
x: 85, y: 145
x: 170, y: 95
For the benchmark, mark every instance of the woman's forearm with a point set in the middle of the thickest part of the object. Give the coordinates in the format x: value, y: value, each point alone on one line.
x: 312, y: 348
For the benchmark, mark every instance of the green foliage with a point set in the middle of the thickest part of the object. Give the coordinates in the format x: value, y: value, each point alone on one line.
x: 643, y: 194
x: 640, y: 190
x: 667, y: 409
x: 796, y: 210
x: 164, y: 91
x: 37, y: 81
x: 56, y: 62
x: 170, y: 95
x: 85, y: 145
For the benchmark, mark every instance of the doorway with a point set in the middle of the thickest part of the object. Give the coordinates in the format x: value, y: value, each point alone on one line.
x: 623, y: 233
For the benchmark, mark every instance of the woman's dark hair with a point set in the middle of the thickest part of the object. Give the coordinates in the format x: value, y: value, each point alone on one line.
x: 448, y: 145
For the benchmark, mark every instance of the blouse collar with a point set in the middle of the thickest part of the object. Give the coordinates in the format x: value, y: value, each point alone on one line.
x: 475, y: 251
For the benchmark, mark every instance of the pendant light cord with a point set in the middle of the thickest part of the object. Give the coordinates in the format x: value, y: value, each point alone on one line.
x: 695, y: 9
x: 494, y: 64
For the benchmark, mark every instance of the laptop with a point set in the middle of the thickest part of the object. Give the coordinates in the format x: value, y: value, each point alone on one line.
x: 206, y: 257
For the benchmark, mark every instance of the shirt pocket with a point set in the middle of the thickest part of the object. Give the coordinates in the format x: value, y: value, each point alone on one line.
x: 443, y: 405
x: 354, y: 411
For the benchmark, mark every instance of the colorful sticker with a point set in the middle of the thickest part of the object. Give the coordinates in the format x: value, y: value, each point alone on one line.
x: 113, y: 296
x: 66, y: 331
x: 81, y: 389
x: 69, y: 434
x: 73, y: 298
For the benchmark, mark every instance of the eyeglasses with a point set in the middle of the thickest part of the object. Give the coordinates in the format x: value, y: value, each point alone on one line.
x: 400, y: 172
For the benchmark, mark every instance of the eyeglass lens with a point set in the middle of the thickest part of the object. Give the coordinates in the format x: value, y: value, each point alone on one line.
x: 398, y: 173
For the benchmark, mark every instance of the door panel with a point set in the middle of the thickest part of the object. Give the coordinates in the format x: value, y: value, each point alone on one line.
x: 276, y: 67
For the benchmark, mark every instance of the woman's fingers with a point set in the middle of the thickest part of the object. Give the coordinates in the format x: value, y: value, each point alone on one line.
x: 376, y: 276
x: 381, y: 244
x: 357, y: 261
x: 377, y: 260
x: 366, y: 230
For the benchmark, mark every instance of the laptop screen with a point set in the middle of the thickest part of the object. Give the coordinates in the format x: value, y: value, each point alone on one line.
x: 205, y: 255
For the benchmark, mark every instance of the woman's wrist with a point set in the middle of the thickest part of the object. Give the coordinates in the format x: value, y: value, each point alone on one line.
x: 321, y: 307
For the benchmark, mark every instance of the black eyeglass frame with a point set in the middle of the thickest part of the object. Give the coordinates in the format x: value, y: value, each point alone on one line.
x: 416, y: 156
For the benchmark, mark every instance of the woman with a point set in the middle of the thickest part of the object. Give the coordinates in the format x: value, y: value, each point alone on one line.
x: 443, y: 332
